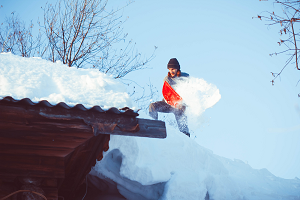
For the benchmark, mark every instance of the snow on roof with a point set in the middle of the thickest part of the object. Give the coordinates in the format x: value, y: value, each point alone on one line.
x: 39, y: 79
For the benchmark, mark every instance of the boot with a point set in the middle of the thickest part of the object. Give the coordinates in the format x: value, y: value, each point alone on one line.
x: 188, y: 134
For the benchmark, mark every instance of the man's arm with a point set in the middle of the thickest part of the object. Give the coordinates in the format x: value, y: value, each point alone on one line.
x: 183, y: 74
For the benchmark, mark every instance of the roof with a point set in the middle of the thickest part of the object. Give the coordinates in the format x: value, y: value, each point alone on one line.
x: 44, y: 103
x: 111, y: 121
x: 60, y: 143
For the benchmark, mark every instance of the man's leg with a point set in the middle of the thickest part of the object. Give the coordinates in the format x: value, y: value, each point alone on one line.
x: 182, y: 123
x: 159, y: 106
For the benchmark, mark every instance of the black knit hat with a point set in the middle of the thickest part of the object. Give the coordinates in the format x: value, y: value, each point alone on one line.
x: 173, y: 63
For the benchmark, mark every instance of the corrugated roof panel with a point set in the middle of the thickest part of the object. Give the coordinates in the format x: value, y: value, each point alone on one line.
x: 45, y: 103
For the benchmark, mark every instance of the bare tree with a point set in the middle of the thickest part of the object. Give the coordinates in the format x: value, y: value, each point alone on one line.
x: 8, y: 31
x: 16, y: 38
x: 288, y: 20
x: 82, y: 33
x: 142, y: 95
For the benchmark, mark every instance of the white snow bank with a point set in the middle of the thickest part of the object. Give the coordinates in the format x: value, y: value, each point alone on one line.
x: 188, y: 170
x: 39, y: 79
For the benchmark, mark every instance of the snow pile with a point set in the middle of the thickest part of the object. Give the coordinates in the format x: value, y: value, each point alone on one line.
x: 39, y: 79
x: 185, y: 170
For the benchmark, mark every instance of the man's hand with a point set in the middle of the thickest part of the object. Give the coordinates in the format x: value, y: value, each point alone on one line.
x: 178, y: 105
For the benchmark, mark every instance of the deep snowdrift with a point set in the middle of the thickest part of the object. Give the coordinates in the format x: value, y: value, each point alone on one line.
x: 188, y: 170
x: 144, y: 168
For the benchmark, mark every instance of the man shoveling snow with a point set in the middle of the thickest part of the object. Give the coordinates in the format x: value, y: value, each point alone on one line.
x: 172, y: 102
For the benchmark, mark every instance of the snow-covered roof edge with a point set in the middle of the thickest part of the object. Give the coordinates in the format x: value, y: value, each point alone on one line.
x: 45, y: 103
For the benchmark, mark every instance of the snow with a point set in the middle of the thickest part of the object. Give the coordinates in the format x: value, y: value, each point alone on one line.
x: 39, y: 79
x: 145, y: 168
x: 188, y: 171
x: 198, y: 95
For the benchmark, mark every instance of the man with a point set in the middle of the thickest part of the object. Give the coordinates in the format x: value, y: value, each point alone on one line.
x: 166, y: 106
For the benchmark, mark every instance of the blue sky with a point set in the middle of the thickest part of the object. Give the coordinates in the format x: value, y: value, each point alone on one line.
x: 220, y: 42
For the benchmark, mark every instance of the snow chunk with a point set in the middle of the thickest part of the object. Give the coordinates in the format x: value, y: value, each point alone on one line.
x: 197, y: 94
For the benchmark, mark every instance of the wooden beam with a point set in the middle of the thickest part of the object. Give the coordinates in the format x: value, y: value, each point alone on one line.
x: 36, y: 120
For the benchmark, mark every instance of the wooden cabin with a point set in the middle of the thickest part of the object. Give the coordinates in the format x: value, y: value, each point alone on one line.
x: 50, y: 149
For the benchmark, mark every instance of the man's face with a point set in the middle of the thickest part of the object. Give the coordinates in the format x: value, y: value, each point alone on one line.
x: 173, y: 71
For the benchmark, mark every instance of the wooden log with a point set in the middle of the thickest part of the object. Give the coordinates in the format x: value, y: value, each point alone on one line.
x: 51, y: 193
x: 7, y: 188
x: 34, y: 166
x: 79, y: 164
